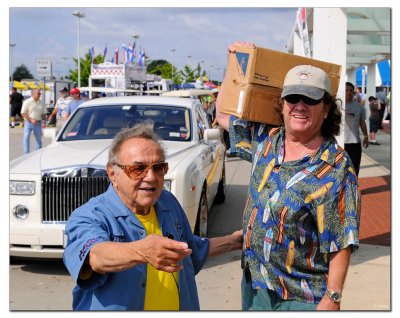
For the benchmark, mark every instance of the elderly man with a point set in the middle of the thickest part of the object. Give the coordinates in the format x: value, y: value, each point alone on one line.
x: 132, y: 248
x: 34, y: 113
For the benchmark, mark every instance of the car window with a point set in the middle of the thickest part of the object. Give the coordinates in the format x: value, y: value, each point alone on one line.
x: 104, y: 122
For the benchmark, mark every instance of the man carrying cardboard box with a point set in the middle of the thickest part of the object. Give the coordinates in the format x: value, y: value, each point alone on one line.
x: 301, y: 218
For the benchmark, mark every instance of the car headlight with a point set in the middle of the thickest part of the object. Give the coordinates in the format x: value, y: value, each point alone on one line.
x: 22, y: 187
x: 167, y: 185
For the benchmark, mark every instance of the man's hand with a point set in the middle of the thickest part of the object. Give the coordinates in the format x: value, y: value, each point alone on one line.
x: 366, y: 142
x: 163, y: 253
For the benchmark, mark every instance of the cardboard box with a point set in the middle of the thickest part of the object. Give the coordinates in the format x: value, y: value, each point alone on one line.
x: 254, y: 80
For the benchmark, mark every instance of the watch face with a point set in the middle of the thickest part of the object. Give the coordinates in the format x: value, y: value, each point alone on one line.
x: 335, y: 296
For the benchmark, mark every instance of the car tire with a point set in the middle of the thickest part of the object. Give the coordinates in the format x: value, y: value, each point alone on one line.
x: 221, y: 192
x: 201, y: 228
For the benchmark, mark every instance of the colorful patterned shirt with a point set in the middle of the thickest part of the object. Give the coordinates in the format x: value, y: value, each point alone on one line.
x: 296, y: 212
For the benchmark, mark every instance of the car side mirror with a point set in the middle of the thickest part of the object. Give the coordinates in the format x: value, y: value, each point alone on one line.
x: 212, y: 134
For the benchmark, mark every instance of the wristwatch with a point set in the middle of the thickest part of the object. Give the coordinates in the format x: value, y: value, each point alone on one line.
x: 335, y: 296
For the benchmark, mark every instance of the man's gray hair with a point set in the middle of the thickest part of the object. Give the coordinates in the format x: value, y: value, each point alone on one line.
x: 142, y: 130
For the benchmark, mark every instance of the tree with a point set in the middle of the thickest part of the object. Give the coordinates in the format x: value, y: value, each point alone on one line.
x: 198, y: 72
x: 188, y: 74
x: 21, y: 72
x: 86, y: 64
x: 155, y: 66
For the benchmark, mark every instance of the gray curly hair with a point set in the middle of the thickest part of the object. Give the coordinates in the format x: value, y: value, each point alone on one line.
x: 142, y: 130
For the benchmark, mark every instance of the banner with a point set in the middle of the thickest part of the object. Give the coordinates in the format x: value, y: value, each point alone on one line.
x: 303, y: 30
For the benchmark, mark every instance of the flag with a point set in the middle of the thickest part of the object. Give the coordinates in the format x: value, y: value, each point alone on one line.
x: 91, y: 53
x: 105, y: 53
x: 142, y: 57
x: 131, y: 54
x: 126, y: 53
x: 116, y: 56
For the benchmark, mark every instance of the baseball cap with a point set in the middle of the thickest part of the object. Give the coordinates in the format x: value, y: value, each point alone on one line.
x: 306, y: 80
x: 75, y: 91
x: 64, y: 90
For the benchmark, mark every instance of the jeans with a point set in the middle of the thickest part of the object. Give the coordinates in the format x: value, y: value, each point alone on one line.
x: 37, y: 132
x: 265, y: 299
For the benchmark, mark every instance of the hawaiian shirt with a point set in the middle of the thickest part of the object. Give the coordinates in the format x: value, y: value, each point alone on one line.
x: 296, y: 212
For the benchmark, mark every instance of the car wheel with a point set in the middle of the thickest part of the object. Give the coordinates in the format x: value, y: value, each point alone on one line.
x: 201, y: 227
x: 220, y: 196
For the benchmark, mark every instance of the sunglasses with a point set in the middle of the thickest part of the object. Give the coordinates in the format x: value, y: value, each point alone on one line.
x: 139, y: 170
x: 295, y: 98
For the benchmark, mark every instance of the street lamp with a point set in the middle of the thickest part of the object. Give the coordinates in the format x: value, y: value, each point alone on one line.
x: 79, y: 15
x: 172, y: 63
x: 12, y: 45
x: 135, y: 36
x: 65, y: 59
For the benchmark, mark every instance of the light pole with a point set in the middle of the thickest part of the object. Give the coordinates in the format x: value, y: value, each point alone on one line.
x: 210, y: 73
x: 202, y: 66
x: 79, y: 15
x: 172, y: 63
x: 65, y: 59
x: 189, y: 60
x: 12, y: 45
x: 135, y: 36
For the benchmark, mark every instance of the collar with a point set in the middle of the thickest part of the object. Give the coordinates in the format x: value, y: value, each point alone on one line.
x: 119, y: 209
x: 327, y: 152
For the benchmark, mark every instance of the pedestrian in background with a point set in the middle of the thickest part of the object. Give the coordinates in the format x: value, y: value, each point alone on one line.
x: 16, y: 100
x: 359, y: 96
x: 301, y: 217
x: 34, y: 113
x: 382, y: 100
x: 374, y: 117
x: 354, y: 120
x: 132, y: 248
x: 61, y: 108
x: 76, y: 101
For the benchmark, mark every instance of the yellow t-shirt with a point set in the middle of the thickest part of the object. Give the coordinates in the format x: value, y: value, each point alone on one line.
x: 162, y: 291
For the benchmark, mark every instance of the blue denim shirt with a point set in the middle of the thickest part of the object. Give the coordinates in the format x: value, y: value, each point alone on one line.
x: 106, y: 218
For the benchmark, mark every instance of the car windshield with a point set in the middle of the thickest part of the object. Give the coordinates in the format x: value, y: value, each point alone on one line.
x: 104, y: 122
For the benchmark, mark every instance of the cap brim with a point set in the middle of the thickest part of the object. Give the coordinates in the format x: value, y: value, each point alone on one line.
x: 311, y: 92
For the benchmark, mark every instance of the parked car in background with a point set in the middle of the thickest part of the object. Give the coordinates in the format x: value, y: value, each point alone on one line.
x: 48, y: 184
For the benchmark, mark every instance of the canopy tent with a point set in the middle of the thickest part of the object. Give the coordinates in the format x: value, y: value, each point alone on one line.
x: 35, y: 85
x: 382, y: 74
x: 18, y: 85
x: 210, y: 84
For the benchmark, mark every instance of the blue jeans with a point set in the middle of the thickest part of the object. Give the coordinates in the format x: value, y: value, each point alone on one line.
x: 37, y: 132
x: 265, y: 299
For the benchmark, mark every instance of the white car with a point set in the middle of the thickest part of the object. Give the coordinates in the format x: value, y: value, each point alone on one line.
x: 48, y: 184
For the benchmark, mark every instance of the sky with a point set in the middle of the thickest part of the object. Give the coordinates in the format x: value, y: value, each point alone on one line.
x: 196, y: 34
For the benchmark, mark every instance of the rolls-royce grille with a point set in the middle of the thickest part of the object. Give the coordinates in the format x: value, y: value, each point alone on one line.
x: 61, y: 196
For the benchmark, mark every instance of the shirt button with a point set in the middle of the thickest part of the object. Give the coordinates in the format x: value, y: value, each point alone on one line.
x: 143, y: 284
x: 141, y: 232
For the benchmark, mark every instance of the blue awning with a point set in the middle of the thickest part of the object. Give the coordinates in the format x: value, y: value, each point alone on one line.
x: 384, y: 73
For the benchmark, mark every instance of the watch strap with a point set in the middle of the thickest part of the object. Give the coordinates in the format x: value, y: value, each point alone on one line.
x: 333, y: 295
